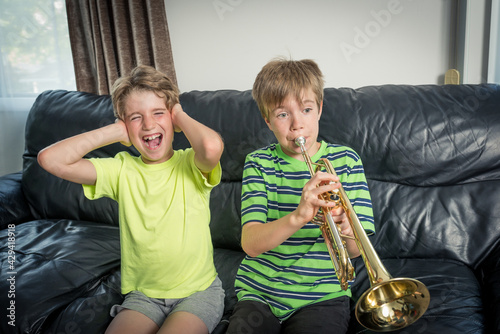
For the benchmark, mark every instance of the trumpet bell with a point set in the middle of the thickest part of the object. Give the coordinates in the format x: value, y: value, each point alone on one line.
x: 392, y: 304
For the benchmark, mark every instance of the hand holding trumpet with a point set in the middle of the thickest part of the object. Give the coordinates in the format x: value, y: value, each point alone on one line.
x: 312, y: 201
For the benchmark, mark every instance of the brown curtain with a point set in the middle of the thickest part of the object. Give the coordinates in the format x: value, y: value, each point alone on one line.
x: 111, y: 37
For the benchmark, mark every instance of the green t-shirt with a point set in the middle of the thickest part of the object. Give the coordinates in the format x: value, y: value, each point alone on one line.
x: 166, y: 247
x: 298, y: 272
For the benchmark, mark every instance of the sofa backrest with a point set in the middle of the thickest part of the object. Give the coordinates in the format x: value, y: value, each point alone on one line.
x: 432, y: 158
x: 431, y: 155
x: 54, y: 116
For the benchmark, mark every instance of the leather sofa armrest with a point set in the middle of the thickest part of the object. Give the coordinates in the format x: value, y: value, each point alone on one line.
x: 489, y: 271
x: 13, y: 206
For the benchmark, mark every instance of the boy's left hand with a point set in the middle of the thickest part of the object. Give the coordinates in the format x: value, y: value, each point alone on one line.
x: 340, y: 218
x: 176, y: 109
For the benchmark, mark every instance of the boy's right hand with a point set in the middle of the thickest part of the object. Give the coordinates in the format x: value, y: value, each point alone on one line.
x: 122, y: 127
x: 310, y: 202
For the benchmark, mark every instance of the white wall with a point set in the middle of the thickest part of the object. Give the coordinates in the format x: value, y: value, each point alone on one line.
x: 219, y: 44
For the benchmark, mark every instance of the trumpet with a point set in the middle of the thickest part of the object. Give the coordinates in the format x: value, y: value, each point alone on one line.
x: 390, y: 303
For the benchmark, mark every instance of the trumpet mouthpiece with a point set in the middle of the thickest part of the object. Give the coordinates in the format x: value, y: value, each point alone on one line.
x: 299, y: 141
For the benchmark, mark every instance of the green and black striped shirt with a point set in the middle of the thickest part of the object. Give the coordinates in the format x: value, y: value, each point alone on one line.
x: 299, y: 271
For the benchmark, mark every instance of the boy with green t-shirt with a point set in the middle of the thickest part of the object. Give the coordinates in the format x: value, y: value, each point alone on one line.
x: 287, y: 283
x: 167, y: 269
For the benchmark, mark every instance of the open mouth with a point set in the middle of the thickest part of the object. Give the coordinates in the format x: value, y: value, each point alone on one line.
x: 153, y: 141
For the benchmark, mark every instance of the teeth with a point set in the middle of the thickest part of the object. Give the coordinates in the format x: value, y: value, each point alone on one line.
x: 151, y: 137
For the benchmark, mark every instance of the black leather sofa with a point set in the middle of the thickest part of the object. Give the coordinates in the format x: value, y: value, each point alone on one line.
x: 431, y: 156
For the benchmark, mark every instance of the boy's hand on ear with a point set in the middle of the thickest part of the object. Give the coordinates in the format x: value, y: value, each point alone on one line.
x: 176, y: 109
x: 123, y: 132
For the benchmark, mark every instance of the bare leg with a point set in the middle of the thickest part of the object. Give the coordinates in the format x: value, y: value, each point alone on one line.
x: 133, y: 322
x: 183, y: 323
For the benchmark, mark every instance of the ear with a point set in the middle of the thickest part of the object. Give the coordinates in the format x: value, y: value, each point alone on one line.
x: 320, y: 111
x: 268, y: 123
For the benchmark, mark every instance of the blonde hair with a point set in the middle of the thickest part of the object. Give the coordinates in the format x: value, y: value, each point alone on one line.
x: 281, y: 77
x: 143, y: 78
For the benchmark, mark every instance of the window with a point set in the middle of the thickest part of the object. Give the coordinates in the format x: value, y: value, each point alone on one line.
x: 494, y: 56
x: 35, y: 48
x: 35, y: 55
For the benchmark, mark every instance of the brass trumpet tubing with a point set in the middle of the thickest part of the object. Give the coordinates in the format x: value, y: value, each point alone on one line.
x: 374, y: 267
x: 334, y: 256
x: 346, y: 265
x: 301, y: 141
x: 333, y: 240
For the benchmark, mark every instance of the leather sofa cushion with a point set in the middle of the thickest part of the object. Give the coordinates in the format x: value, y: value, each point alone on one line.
x: 454, y: 222
x: 68, y: 275
x: 59, y: 262
x: 489, y: 273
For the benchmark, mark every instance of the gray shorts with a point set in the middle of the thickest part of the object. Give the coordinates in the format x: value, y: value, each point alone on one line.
x: 208, y: 305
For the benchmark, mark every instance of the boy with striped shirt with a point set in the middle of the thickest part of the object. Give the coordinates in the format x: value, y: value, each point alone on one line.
x: 287, y: 283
